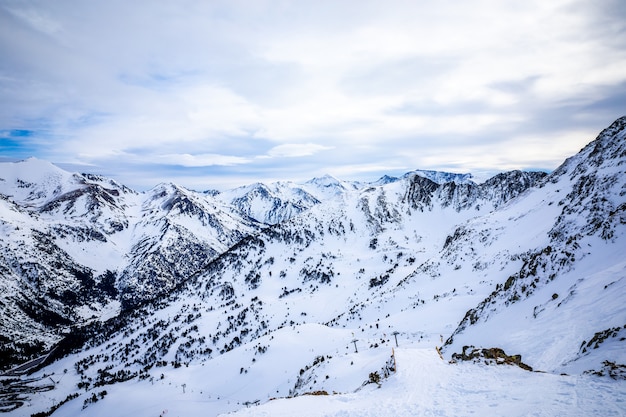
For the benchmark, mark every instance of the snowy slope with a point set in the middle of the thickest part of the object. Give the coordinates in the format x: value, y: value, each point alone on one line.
x: 421, y: 384
x: 569, y: 289
x: 425, y: 385
x: 358, y: 246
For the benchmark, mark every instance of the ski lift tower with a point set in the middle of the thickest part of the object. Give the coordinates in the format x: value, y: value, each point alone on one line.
x: 355, y: 349
x: 395, y: 335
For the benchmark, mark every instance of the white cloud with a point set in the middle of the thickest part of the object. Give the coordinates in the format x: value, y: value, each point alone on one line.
x: 219, y: 83
x: 200, y: 160
x: 37, y: 19
x: 517, y: 152
x: 291, y: 150
x: 197, y: 118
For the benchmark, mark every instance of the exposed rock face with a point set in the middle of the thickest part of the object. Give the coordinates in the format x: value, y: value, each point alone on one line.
x: 490, y: 356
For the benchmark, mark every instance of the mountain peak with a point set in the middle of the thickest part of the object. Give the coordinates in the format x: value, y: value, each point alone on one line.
x: 269, y: 203
x: 30, y: 169
x: 34, y: 181
x: 325, y: 180
x: 385, y: 179
x: 441, y: 177
x: 609, y: 145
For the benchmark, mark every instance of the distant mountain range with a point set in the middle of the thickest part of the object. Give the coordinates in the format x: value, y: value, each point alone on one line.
x: 130, y: 286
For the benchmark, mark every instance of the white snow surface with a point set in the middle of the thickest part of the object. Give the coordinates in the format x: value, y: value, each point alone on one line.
x: 424, y: 385
x: 34, y: 181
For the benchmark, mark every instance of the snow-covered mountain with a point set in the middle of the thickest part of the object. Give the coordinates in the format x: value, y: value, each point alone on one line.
x: 572, y: 277
x: 75, y: 247
x: 271, y: 203
x: 443, y: 177
x: 328, y: 187
x: 178, y: 234
x: 233, y: 312
x: 78, y: 247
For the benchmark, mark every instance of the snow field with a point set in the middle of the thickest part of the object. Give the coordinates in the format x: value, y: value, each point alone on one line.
x: 230, y: 381
x: 424, y: 385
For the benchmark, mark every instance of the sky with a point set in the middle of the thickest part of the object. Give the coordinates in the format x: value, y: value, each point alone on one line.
x: 216, y: 94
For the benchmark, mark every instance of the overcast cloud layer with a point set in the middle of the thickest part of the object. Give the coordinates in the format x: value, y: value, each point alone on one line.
x: 213, y: 94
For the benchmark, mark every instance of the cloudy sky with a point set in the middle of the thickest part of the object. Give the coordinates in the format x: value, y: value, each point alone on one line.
x: 214, y: 94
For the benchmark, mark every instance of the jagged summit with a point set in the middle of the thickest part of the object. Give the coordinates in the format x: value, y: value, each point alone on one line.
x: 326, y: 187
x: 270, y: 203
x: 385, y: 179
x: 609, y: 145
x: 440, y: 177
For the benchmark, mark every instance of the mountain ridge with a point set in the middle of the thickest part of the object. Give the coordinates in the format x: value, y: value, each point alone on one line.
x: 80, y: 217
x: 528, y: 262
